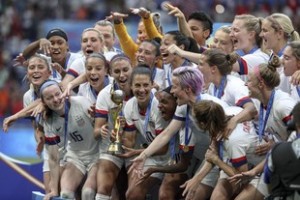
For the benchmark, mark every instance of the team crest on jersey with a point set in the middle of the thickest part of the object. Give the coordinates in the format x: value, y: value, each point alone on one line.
x: 151, y: 124
x: 79, y: 120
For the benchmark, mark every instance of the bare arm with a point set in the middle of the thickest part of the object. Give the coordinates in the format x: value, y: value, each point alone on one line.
x: 74, y: 83
x: 100, y: 128
x: 181, y: 21
x: 193, y: 57
x: 67, y: 79
x: 25, y: 112
x: 179, y: 167
x: 163, y: 138
x: 54, y: 170
x: 247, y: 114
x: 192, y: 184
x: 41, y: 44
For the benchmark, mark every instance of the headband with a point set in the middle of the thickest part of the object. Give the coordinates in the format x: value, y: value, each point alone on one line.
x: 47, y: 84
x: 57, y: 32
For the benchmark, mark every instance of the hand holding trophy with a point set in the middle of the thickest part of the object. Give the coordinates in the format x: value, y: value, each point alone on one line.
x: 115, y: 146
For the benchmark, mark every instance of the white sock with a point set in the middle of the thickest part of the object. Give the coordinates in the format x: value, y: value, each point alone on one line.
x: 102, y: 197
x: 88, y: 194
x: 67, y: 195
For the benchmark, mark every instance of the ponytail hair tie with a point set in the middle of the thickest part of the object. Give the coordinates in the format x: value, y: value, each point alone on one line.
x: 227, y: 57
x: 292, y: 32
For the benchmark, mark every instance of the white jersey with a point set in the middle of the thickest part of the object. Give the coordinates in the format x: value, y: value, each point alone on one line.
x: 235, y: 92
x: 29, y: 97
x: 168, y: 71
x: 104, y: 109
x: 159, y: 75
x: 284, y: 84
x: 239, y: 148
x: 154, y: 126
x: 87, y: 91
x: 136, y: 120
x: 198, y: 138
x: 295, y: 92
x: 80, y: 129
x: 77, y: 67
x: 249, y: 61
x: 280, y: 114
x: 69, y: 60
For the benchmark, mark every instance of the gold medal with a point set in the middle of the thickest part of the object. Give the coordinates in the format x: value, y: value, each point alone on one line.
x: 185, y: 148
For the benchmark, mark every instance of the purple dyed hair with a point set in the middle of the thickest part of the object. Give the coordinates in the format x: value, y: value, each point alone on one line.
x: 190, y: 77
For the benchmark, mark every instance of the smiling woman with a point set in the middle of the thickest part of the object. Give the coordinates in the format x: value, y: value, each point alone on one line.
x: 144, y: 123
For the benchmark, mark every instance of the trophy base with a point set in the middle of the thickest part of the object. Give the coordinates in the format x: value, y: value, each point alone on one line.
x: 115, y: 148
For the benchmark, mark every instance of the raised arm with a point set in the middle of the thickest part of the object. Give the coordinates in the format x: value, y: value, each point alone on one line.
x: 127, y: 43
x: 25, y: 112
x: 181, y: 21
x: 74, y: 83
x: 193, y: 57
x: 150, y: 27
x: 41, y: 44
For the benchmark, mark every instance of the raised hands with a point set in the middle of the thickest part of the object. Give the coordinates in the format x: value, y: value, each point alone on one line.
x: 45, y: 46
x: 20, y: 61
x: 173, y: 10
x: 143, y: 12
x: 116, y: 16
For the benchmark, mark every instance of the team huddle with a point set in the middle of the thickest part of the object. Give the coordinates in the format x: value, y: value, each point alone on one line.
x: 167, y: 112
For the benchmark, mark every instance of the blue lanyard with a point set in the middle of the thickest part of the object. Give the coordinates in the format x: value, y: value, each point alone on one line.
x: 173, y: 146
x: 154, y: 70
x: 38, y: 117
x: 94, y: 92
x: 263, y: 120
x: 218, y: 92
x: 280, y: 53
x: 298, y: 90
x: 220, y: 149
x: 252, y: 50
x: 147, y: 117
x: 169, y: 75
x: 188, y: 136
x: 67, y: 60
x: 185, y: 63
x: 66, y: 116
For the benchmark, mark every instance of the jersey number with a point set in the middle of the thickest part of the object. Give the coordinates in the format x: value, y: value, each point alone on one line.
x: 76, y: 137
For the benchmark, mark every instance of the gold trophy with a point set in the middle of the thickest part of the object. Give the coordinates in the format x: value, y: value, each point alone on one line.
x: 115, y: 147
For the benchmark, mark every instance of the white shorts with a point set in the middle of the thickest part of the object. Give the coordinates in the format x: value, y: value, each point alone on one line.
x: 193, y: 167
x: 259, y: 183
x: 212, y: 177
x: 119, y: 162
x: 46, y: 167
x: 83, y: 163
x: 150, y: 162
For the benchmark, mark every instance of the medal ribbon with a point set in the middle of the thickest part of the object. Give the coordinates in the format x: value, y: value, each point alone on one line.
x: 147, y: 117
x: 66, y: 116
x: 263, y: 120
x: 218, y: 92
x: 220, y: 149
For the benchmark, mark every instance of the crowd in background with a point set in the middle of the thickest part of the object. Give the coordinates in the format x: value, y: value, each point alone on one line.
x: 21, y: 20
